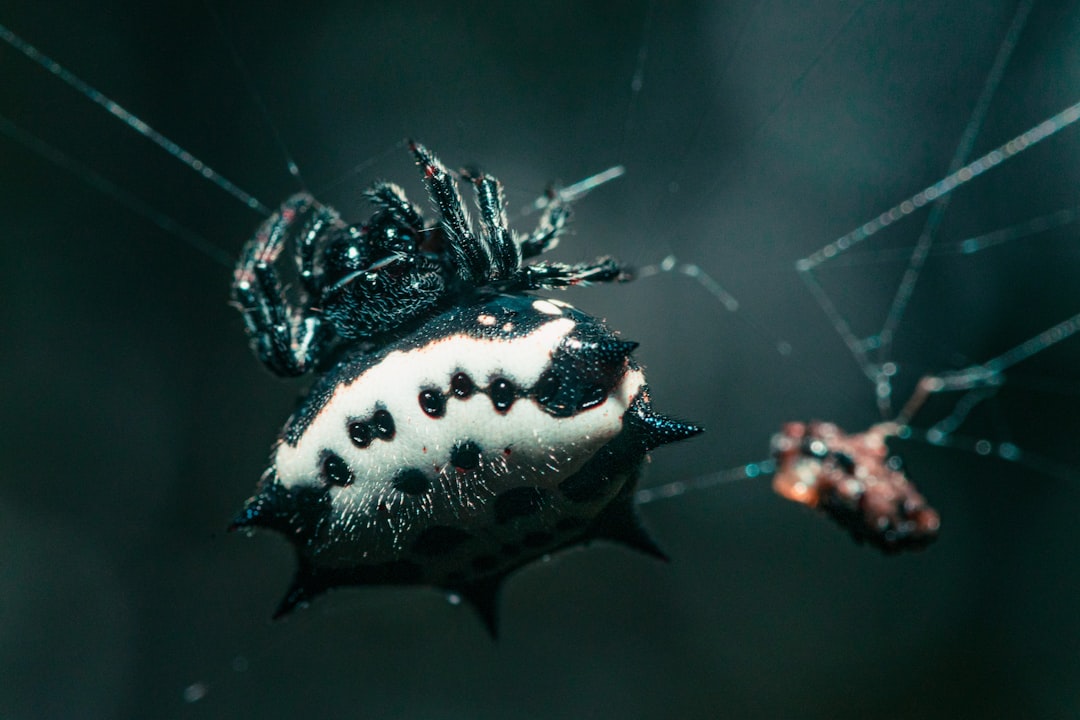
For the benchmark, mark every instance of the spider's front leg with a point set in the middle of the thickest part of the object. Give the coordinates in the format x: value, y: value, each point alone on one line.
x: 562, y: 275
x: 494, y: 256
x: 552, y: 222
x: 497, y: 235
x: 288, y: 339
x: 471, y: 256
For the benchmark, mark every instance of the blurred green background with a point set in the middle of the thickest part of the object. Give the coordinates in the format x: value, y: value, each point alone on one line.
x: 135, y: 422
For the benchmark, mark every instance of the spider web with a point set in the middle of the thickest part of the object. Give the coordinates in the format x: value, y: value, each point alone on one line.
x: 874, y: 353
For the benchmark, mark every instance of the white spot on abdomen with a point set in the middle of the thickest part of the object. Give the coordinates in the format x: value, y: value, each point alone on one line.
x: 547, y: 307
x: 544, y: 449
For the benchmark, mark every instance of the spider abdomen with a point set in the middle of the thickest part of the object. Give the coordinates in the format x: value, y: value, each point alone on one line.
x: 498, y: 432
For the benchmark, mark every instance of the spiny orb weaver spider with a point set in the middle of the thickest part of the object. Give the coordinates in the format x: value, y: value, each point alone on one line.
x: 460, y: 428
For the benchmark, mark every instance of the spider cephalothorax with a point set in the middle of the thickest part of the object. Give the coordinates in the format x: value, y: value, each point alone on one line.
x: 460, y: 428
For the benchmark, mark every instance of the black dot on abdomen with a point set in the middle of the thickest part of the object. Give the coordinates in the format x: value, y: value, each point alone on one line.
x: 519, y: 502
x: 439, y: 540
x: 383, y: 423
x: 466, y: 455
x: 335, y: 471
x: 411, y: 481
x: 462, y: 386
x: 361, y: 433
x: 502, y: 393
x: 433, y: 403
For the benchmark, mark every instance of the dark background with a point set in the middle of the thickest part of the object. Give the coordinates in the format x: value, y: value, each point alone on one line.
x: 135, y: 422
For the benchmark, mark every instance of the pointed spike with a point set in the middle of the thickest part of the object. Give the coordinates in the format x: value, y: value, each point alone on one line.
x: 294, y: 513
x: 267, y: 508
x: 620, y: 523
x: 258, y: 512
x: 658, y: 429
x: 307, y: 584
x: 637, y: 538
x: 613, y: 350
x: 299, y: 593
x: 653, y: 429
x: 661, y: 430
x: 620, y: 347
x: 483, y: 595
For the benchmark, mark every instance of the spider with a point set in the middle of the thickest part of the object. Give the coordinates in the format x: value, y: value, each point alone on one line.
x: 460, y: 427
x: 366, y: 282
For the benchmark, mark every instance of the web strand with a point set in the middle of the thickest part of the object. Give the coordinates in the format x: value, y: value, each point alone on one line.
x: 131, y: 120
x: 672, y: 265
x: 637, y: 82
x: 1047, y: 128
x: 111, y: 189
x: 254, y: 94
x: 577, y: 190
x: 881, y: 374
x: 979, y: 383
x: 678, y: 488
x: 971, y: 245
x: 941, y: 206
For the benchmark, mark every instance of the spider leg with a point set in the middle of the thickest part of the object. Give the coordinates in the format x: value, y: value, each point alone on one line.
x: 552, y: 222
x: 286, y: 339
x: 505, y: 253
x: 470, y: 255
x: 561, y: 275
x: 391, y: 199
x: 322, y: 219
